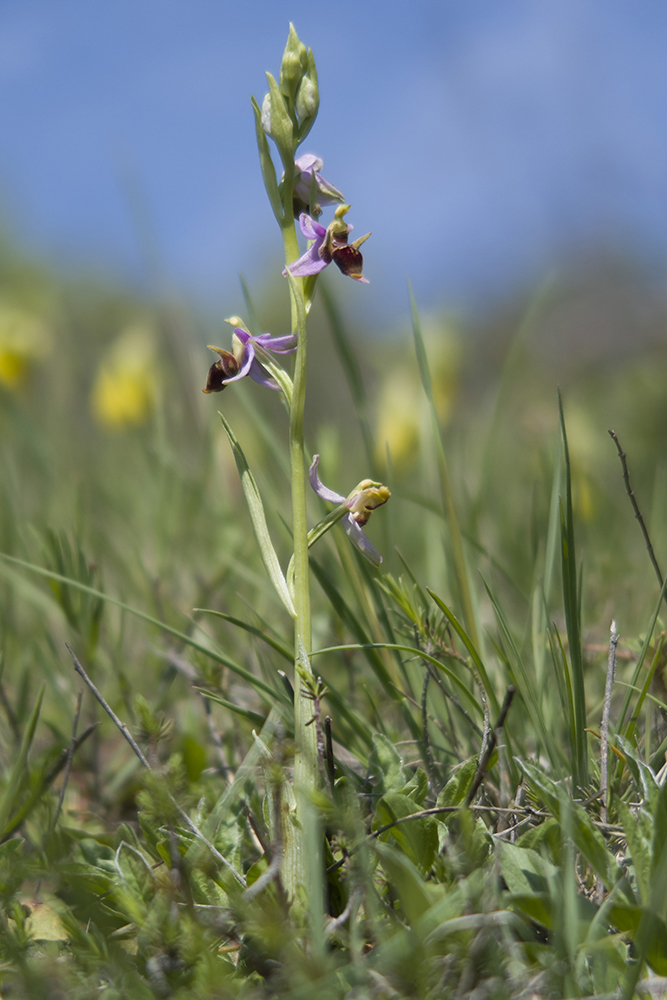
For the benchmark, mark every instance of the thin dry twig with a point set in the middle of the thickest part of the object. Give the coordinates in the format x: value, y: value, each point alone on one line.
x: 68, y: 762
x: 128, y: 736
x: 604, y: 725
x: 638, y: 514
x: 485, y: 756
x: 329, y: 764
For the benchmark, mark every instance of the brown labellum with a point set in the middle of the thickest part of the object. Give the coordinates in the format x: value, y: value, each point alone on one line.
x: 348, y: 259
x: 226, y: 367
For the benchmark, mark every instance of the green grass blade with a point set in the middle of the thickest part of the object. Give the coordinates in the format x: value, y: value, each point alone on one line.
x: 245, y: 713
x: 640, y: 661
x: 279, y: 647
x: 525, y: 684
x: 470, y: 646
x: 351, y: 369
x: 465, y: 589
x: 572, y: 618
x: 418, y: 653
x: 258, y: 518
x: 14, y: 781
x: 255, y: 682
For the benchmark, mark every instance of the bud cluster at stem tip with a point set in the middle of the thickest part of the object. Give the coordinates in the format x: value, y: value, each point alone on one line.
x: 290, y: 108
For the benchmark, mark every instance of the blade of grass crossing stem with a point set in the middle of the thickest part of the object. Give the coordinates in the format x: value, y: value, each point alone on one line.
x: 279, y: 647
x: 461, y: 567
x: 572, y: 617
x: 16, y: 773
x: 257, y: 683
x: 244, y: 713
x: 470, y: 646
x: 256, y: 509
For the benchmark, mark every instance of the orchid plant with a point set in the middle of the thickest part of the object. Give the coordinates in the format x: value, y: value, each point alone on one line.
x: 286, y: 117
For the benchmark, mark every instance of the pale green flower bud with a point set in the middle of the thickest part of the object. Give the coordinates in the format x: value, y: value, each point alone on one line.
x: 276, y: 122
x: 308, y: 99
x: 293, y: 65
x: 266, y: 115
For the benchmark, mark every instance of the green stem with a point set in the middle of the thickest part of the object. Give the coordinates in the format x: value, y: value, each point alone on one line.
x: 306, y: 769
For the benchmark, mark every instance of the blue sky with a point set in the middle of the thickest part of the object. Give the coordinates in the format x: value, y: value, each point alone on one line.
x: 484, y: 142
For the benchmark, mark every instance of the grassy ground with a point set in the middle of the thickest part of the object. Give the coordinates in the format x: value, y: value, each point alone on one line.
x: 509, y: 545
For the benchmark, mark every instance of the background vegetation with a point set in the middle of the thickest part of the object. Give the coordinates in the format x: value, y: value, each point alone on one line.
x: 117, y: 477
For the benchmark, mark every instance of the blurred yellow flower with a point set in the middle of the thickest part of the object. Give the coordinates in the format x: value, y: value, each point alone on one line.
x: 584, y: 441
x: 126, y: 386
x: 402, y: 411
x: 24, y: 340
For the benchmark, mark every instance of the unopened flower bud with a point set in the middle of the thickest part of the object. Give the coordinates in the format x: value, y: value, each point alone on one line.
x: 308, y: 99
x: 293, y: 66
x: 266, y: 116
x: 276, y: 121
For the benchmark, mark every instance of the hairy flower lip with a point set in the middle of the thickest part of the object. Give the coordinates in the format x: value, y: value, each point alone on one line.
x: 243, y: 360
x: 360, y: 503
x: 330, y: 244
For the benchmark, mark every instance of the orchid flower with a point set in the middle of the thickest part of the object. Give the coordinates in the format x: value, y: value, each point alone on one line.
x: 311, y: 190
x: 360, y: 504
x: 329, y: 244
x: 242, y: 360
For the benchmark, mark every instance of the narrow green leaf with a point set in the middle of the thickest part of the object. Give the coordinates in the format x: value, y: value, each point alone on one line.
x: 282, y: 130
x: 209, y: 651
x: 572, y: 617
x: 16, y: 773
x: 245, y: 713
x: 449, y: 506
x: 351, y: 368
x: 526, y: 685
x: 640, y: 661
x: 256, y: 508
x: 266, y: 164
x: 470, y: 646
x: 279, y: 647
x: 438, y: 664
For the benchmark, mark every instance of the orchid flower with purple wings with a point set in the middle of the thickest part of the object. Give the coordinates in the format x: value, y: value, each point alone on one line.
x: 242, y: 360
x: 357, y: 508
x: 330, y: 244
x: 311, y: 190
